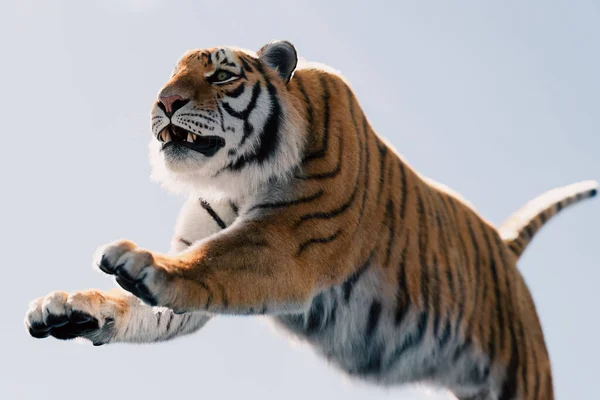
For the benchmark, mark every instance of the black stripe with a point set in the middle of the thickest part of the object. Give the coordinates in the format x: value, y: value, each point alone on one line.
x: 436, y: 284
x: 509, y: 386
x: 258, y: 65
x: 322, y: 240
x: 484, y: 270
x: 187, y: 243
x: 515, y: 247
x: 245, y: 64
x: 464, y: 263
x: 301, y: 200
x: 314, y: 318
x: 477, y: 286
x: 213, y: 214
x: 411, y: 340
x: 404, y: 189
x: 326, y: 115
x: 309, y: 108
x: 373, y: 319
x: 158, y: 314
x: 234, y: 208
x: 178, y: 327
x: 235, y: 93
x: 443, y: 340
x: 351, y: 100
x: 549, y: 388
x: 495, y: 283
x: 367, y: 168
x: 269, y: 137
x: 208, y: 291
x: 348, y: 285
x: 529, y: 230
x: 460, y: 349
x: 206, y: 55
x: 390, y: 217
x: 435, y: 295
x: 224, y: 298
x: 332, y: 213
x: 537, y: 377
x: 478, y: 374
x: 382, y: 157
x: 221, y: 118
x: 245, y: 113
x: 516, y: 244
x: 446, y: 242
x: 523, y: 342
x: 372, y: 365
x: 333, y: 172
x: 333, y: 310
x: 171, y: 315
x: 490, y: 267
x: 346, y: 205
x: 543, y: 217
x: 450, y: 279
x: 403, y: 299
x: 182, y: 324
x: 423, y: 237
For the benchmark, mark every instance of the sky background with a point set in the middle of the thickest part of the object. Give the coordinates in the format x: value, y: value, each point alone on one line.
x: 498, y: 101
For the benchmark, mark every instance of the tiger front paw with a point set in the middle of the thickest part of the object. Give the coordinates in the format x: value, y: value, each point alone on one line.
x: 87, y: 314
x: 136, y: 270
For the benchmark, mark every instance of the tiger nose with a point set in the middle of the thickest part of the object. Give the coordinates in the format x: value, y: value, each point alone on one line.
x: 170, y: 104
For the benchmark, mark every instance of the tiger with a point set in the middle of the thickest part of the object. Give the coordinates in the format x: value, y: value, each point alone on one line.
x: 299, y: 211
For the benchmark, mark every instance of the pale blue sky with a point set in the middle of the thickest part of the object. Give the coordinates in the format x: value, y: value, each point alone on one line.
x: 499, y: 101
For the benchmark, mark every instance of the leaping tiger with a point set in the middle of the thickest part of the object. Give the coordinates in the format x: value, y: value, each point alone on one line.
x: 297, y: 209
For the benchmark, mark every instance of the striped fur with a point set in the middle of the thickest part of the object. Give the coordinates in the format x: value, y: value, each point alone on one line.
x: 518, y: 230
x: 309, y: 216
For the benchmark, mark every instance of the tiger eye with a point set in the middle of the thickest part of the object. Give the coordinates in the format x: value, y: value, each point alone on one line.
x: 223, y: 75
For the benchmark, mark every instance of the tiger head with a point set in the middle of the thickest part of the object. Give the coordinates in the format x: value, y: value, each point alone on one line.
x: 225, y: 121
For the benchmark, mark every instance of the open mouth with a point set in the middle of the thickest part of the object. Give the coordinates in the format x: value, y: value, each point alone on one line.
x: 175, y: 136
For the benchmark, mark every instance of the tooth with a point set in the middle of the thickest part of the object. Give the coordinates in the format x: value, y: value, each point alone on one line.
x: 163, y: 135
x: 190, y: 138
x: 167, y: 137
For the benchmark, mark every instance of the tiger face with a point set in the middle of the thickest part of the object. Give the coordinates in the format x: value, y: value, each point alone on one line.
x: 226, y: 115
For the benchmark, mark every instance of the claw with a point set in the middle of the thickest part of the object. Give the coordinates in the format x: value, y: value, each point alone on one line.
x: 138, y: 289
x: 121, y: 272
x: 104, y: 265
x: 55, y: 321
x: 39, y: 331
x: 79, y: 317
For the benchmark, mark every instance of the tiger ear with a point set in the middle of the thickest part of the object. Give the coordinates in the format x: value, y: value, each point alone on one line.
x: 281, y: 56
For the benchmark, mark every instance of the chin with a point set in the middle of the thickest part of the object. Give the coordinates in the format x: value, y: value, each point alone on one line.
x: 185, y: 171
x: 183, y: 160
x: 176, y: 168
